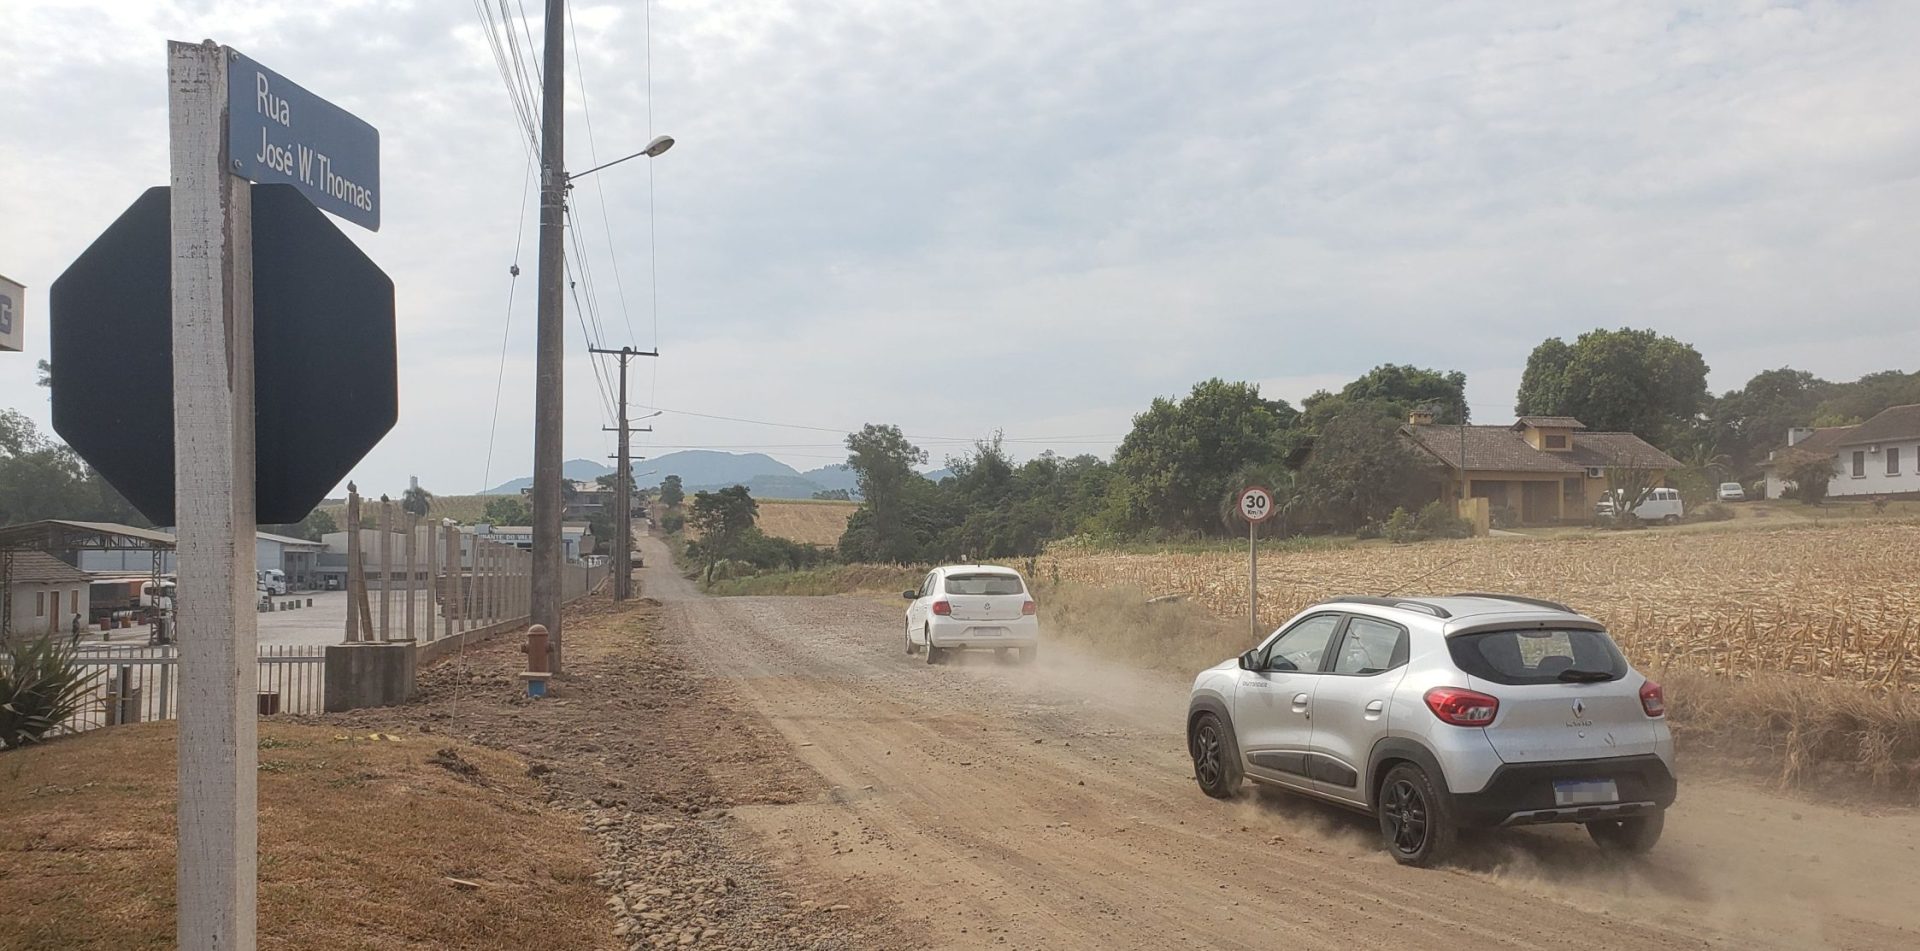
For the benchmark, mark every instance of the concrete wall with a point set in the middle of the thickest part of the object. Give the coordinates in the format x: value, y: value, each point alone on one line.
x: 73, y: 597
x: 1876, y: 481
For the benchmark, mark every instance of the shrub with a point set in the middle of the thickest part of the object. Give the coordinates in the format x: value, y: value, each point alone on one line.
x: 40, y: 687
x: 1438, y: 519
x: 1400, y: 528
x: 1710, y: 512
x: 1504, y: 518
x: 673, y: 522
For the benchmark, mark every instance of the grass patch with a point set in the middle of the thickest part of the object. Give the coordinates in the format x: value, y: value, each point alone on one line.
x: 357, y: 839
x: 831, y: 579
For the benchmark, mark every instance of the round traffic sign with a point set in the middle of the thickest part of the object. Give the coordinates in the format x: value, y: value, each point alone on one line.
x: 1256, y: 504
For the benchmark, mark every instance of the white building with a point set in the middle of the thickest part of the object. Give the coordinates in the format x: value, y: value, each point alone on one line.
x: 1880, y: 457
x: 46, y: 594
x: 576, y: 540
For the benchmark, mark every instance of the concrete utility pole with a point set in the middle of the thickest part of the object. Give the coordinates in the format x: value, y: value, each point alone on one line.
x: 623, y: 493
x: 212, y: 291
x: 548, y: 400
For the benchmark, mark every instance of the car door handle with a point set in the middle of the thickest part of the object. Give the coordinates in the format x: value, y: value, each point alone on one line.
x: 1375, y: 708
x: 1300, y: 703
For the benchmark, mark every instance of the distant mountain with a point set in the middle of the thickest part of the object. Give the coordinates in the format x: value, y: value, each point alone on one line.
x: 833, y: 477
x: 705, y: 468
x: 579, y: 470
x: 768, y: 487
x: 937, y: 474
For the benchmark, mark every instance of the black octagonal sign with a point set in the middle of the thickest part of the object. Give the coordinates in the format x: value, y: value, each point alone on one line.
x: 325, y: 380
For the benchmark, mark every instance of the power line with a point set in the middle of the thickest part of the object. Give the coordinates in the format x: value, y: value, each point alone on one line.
x: 593, y: 154
x: 520, y: 233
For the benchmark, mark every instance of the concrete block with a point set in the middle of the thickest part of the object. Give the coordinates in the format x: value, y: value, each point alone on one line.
x: 378, y: 674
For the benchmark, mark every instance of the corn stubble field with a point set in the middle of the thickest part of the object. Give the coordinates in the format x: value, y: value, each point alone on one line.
x: 1835, y: 603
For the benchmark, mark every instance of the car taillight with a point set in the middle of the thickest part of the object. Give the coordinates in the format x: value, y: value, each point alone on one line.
x: 1029, y: 608
x: 1653, y: 699
x: 1462, y: 707
x: 943, y: 608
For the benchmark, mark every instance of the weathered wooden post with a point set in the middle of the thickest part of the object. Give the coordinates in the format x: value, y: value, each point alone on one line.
x: 353, y: 563
x: 413, y: 566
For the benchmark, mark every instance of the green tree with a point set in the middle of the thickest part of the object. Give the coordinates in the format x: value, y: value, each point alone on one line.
x: 1745, y: 424
x: 1809, y: 475
x: 318, y: 522
x: 507, y: 510
x: 42, y: 478
x: 1623, y: 380
x: 1179, y: 456
x: 724, y: 519
x: 671, y: 492
x: 1406, y: 388
x: 887, y: 526
x: 417, y: 501
x: 46, y: 374
x: 1361, y: 468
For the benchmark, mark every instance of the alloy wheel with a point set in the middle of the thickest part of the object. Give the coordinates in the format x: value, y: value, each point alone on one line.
x: 1406, y: 813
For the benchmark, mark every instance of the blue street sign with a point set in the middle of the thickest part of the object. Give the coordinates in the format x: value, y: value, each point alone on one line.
x: 279, y: 133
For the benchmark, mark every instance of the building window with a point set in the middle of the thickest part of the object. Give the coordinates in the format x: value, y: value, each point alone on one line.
x: 1859, y: 463
x: 1893, y: 460
x: 39, y: 604
x: 1556, y: 441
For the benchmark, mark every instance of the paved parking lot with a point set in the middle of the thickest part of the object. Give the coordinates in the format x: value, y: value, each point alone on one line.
x: 325, y: 622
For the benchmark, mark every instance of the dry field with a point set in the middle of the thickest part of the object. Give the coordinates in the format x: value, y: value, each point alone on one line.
x: 1839, y: 603
x: 465, y: 509
x: 807, y: 521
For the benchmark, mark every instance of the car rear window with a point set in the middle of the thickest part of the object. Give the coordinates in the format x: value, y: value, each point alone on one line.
x: 983, y: 583
x: 1538, y: 656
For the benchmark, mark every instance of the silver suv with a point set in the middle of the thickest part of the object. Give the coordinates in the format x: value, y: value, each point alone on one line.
x: 1437, y: 713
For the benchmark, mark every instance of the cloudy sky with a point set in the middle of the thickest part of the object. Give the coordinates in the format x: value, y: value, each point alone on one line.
x: 1035, y: 217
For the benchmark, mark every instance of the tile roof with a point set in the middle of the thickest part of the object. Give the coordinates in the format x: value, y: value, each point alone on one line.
x: 1487, y: 447
x: 1893, y: 424
x: 38, y: 567
x: 1826, y: 439
x: 1619, y: 449
x: 1554, y: 422
x: 1502, y: 448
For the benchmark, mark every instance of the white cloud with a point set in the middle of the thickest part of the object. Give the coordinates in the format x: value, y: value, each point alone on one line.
x: 1036, y: 217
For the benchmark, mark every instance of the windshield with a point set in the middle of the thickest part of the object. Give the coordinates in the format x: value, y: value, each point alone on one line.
x: 1538, y: 656
x: 984, y: 583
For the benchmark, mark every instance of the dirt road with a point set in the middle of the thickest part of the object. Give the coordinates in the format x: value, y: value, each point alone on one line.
x: 994, y: 805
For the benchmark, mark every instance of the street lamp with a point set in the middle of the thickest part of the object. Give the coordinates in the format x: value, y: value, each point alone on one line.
x: 654, y: 149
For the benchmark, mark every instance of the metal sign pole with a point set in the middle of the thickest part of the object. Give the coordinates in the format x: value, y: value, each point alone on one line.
x: 1253, y: 579
x: 212, y: 302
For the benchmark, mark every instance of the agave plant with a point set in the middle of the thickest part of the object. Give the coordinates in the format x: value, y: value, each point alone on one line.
x: 40, y: 688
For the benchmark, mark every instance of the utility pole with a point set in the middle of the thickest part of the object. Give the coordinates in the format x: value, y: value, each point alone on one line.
x: 548, y: 399
x: 623, y: 493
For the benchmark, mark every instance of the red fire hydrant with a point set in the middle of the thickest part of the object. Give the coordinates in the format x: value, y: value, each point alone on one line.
x: 536, y: 673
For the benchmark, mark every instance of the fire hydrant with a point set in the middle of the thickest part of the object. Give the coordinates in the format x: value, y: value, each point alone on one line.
x: 536, y: 673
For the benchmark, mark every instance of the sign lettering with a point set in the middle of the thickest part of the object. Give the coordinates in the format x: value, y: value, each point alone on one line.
x: 279, y: 133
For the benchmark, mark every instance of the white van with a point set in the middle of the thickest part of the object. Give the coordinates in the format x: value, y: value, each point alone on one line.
x: 1656, y: 505
x: 272, y: 580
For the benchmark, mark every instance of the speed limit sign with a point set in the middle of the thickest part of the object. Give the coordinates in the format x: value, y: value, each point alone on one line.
x: 1256, y: 504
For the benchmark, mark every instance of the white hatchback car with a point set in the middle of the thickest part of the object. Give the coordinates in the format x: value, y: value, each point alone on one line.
x: 972, y: 606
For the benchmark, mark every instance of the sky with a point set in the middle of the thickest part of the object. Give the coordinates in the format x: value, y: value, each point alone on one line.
x: 1034, y: 218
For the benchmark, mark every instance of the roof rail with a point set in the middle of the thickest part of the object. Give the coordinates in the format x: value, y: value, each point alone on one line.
x: 1403, y: 603
x: 1518, y: 599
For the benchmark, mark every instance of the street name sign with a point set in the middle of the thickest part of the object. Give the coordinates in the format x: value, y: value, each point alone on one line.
x: 280, y: 134
x: 13, y: 305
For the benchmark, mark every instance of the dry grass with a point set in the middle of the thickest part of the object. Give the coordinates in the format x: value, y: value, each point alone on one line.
x: 357, y: 839
x: 1835, y: 603
x: 829, y: 579
x: 805, y: 521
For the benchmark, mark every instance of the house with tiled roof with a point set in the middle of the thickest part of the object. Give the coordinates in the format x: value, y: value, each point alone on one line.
x: 1878, y: 458
x: 1541, y: 469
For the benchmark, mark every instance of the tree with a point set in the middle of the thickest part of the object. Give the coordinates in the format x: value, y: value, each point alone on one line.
x: 46, y: 374
x: 507, y: 510
x: 1623, y: 380
x: 671, y: 492
x: 417, y: 501
x: 318, y: 522
x: 42, y: 478
x: 833, y: 495
x: 1809, y: 475
x: 1748, y: 422
x: 1406, y: 388
x: 1361, y: 469
x: 881, y: 529
x: 1180, y: 455
x: 724, y: 519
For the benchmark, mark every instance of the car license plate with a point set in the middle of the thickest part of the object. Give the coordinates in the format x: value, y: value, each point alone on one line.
x: 1584, y: 792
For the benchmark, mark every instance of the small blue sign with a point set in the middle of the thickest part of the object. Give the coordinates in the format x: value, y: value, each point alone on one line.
x: 279, y: 133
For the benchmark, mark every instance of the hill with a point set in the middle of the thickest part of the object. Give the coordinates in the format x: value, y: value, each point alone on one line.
x: 579, y: 470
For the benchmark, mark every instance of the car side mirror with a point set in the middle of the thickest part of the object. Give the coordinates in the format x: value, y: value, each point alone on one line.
x: 1246, y: 661
x: 910, y: 595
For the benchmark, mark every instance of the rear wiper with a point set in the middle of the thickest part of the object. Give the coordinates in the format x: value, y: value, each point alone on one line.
x: 1573, y: 676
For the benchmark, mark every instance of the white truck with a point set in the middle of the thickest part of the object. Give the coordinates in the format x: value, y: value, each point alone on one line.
x: 272, y: 580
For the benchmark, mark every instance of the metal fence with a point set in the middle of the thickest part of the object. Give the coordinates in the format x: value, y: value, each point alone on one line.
x: 137, y: 684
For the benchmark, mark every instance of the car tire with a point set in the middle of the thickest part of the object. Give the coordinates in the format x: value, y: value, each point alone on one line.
x: 935, y: 655
x: 1634, y: 835
x: 1216, y: 757
x: 1416, y: 820
x: 907, y: 634
x: 1671, y: 520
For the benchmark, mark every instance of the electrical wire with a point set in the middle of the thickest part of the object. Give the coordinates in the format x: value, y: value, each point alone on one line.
x: 520, y: 233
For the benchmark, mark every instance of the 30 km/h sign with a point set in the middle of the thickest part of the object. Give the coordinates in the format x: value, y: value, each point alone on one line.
x: 1256, y: 504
